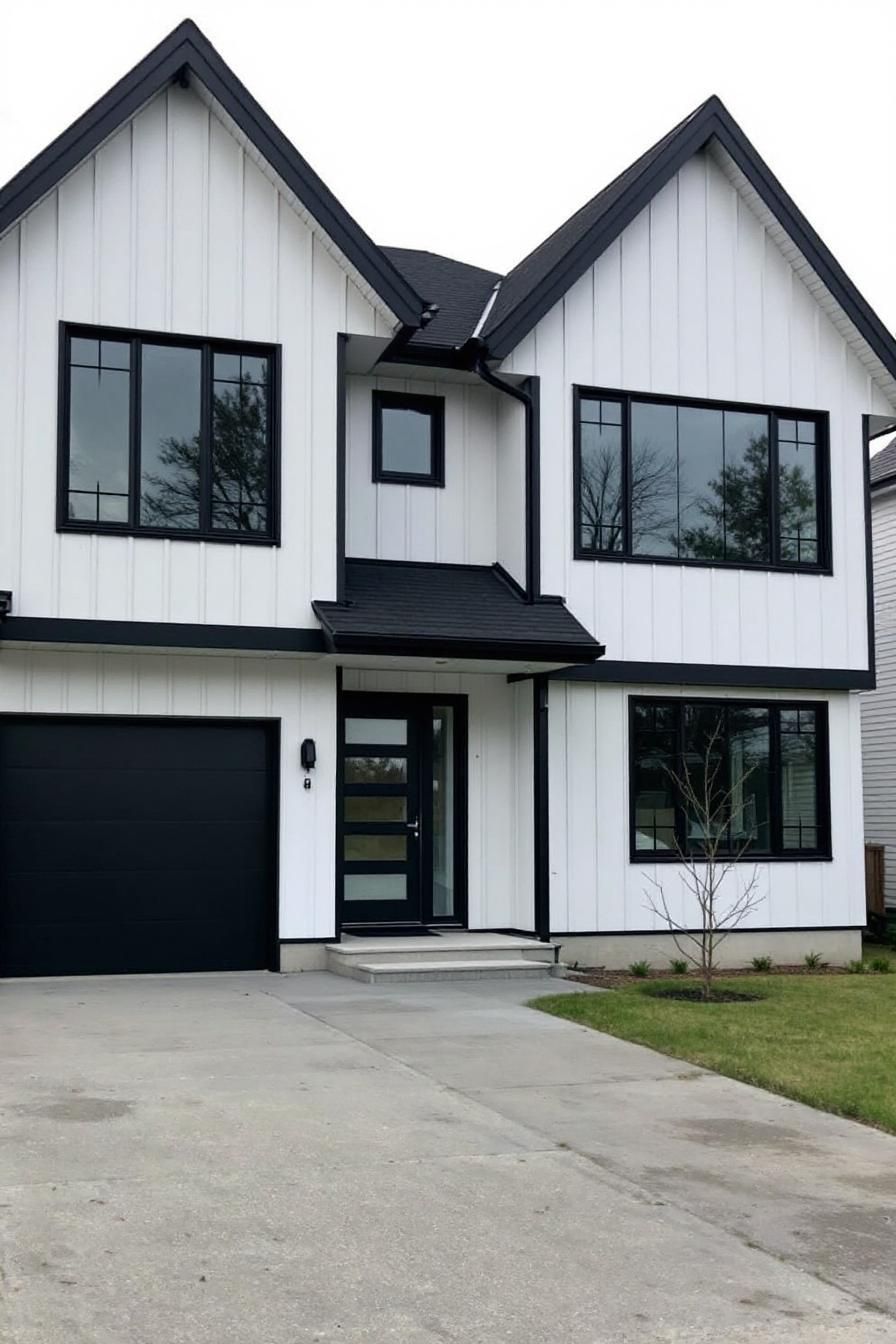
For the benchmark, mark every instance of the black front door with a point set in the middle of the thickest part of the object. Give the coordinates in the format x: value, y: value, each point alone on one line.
x: 402, y: 810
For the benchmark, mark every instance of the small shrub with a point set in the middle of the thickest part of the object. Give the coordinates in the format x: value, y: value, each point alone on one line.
x: 761, y: 963
x: 679, y: 966
x: 813, y: 961
x: 640, y: 969
x: 856, y: 968
x: 881, y: 965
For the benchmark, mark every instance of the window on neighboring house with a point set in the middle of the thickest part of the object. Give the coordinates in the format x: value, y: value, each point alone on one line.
x: 694, y: 483
x: 167, y: 436
x: 408, y: 439
x: 764, y: 767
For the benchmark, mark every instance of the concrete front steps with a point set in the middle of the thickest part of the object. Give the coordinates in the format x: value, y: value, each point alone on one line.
x: 455, y: 955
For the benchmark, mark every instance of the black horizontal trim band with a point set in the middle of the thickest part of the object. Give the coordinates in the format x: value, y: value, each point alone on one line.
x: 719, y: 674
x: 652, y: 933
x: 454, y: 647
x: 297, y: 942
x: 162, y: 634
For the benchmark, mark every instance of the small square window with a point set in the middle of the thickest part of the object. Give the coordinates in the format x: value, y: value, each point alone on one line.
x: 408, y: 439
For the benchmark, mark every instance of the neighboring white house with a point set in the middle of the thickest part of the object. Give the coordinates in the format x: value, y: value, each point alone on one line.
x: 879, y: 705
x: 356, y: 587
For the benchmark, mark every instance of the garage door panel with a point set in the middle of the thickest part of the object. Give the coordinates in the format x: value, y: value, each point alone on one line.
x: 91, y: 794
x: 135, y: 846
x: 172, y: 746
x: 132, y: 846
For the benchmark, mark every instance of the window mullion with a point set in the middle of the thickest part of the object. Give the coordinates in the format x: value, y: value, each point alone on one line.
x: 774, y: 541
x: 775, y: 803
x: 135, y: 405
x: 205, y: 440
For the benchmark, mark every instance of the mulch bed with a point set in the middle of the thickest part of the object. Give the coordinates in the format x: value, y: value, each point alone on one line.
x: 694, y: 994
x: 604, y: 979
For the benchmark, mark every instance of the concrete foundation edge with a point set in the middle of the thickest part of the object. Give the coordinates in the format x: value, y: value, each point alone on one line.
x: 303, y: 957
x: 785, y: 947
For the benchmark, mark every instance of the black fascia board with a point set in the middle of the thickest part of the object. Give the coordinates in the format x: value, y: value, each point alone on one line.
x: 712, y: 120
x: 411, y: 646
x: 163, y: 634
x: 187, y: 48
x: 716, y: 674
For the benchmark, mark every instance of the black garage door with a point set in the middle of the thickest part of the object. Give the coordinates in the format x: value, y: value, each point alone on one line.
x: 135, y: 846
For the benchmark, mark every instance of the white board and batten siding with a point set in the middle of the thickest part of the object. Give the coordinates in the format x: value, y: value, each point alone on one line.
x: 478, y: 517
x: 879, y: 705
x: 695, y: 299
x: 172, y: 226
x: 595, y: 886
x: 298, y: 695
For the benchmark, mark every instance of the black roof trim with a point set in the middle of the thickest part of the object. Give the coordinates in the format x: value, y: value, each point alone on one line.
x: 188, y: 48
x: 415, y: 609
x: 547, y: 273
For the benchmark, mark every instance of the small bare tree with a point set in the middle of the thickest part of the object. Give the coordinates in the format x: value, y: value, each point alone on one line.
x: 714, y: 812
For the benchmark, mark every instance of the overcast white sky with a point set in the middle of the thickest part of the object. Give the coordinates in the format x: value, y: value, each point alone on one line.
x: 474, y: 127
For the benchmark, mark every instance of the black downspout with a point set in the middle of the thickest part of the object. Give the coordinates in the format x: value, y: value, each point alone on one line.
x: 528, y: 396
x: 541, y: 860
x: 341, y: 343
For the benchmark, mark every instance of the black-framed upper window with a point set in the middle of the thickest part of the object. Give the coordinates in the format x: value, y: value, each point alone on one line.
x: 408, y: 439
x: 764, y: 765
x: 168, y: 436
x: 692, y: 482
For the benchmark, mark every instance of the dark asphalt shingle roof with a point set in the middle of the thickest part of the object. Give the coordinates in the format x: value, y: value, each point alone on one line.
x: 460, y: 610
x: 460, y: 290
x: 883, y: 464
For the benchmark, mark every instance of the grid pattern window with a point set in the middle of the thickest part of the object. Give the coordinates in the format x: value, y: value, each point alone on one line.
x: 757, y: 774
x: 699, y: 483
x: 167, y: 436
x: 408, y: 439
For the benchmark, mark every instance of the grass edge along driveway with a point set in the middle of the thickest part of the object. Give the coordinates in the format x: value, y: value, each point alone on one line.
x: 826, y: 1040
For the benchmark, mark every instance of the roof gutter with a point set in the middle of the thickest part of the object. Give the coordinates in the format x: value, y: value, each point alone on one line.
x: 527, y: 395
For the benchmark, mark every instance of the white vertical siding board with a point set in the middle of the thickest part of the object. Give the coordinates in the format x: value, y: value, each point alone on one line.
x: 150, y: 214
x: 726, y: 610
x: 224, y: 245
x: 294, y: 332
x: 663, y: 216
x: 692, y: 295
x: 776, y: 320
x: 748, y: 281
x: 188, y: 205
x: 360, y: 492
x: 11, y: 406
x: 608, y: 317
x: 328, y: 316
x: 39, y: 369
x: 510, y: 485
x: 636, y: 286
x: 638, y: 611
x: 113, y: 231
x: 259, y: 261
x: 556, y: 399
x: 721, y: 305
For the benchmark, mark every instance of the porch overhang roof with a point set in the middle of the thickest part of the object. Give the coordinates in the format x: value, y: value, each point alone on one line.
x: 457, y: 611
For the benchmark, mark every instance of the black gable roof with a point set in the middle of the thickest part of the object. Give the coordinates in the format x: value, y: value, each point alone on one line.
x: 459, y: 611
x: 187, y: 49
x: 539, y: 280
x: 460, y: 291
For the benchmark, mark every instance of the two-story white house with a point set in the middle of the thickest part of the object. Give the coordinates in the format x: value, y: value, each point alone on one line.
x: 354, y: 588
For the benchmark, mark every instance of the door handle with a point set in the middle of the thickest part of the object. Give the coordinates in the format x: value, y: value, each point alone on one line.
x: 414, y: 826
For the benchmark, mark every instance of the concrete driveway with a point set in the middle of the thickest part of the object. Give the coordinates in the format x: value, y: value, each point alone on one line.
x: 255, y: 1159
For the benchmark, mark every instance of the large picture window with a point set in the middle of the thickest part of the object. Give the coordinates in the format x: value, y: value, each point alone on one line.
x: 766, y: 764
x: 167, y: 436
x: 699, y: 483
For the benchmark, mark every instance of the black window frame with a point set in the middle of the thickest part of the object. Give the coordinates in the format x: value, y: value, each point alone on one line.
x: 776, y: 853
x: 208, y: 347
x: 823, y: 565
x: 432, y: 406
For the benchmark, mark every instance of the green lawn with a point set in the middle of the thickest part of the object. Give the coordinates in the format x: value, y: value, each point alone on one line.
x: 828, y: 1040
